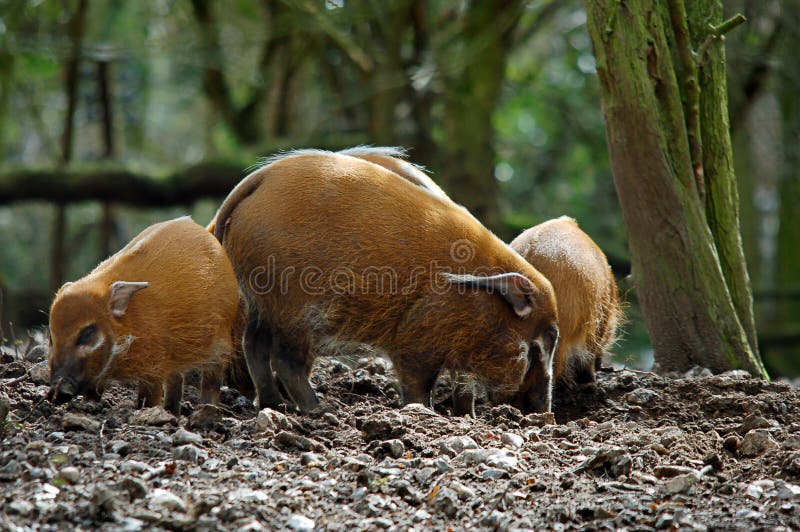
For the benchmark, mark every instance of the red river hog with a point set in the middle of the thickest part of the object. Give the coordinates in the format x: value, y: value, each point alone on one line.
x: 588, y: 305
x: 332, y: 251
x: 164, y: 304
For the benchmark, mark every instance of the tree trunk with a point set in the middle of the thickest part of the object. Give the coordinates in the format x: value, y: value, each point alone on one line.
x: 473, y: 71
x: 722, y: 198
x: 680, y: 283
x: 107, y: 138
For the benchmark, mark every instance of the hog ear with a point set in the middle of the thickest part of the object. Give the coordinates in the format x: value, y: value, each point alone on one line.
x: 514, y: 287
x: 121, y: 294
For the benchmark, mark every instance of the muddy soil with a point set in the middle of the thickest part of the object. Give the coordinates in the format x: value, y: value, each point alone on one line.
x: 638, y: 452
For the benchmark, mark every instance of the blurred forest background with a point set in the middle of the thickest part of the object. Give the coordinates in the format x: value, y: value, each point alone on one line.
x: 117, y: 114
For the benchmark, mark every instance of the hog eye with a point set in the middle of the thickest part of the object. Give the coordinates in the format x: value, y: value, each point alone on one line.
x: 86, y: 334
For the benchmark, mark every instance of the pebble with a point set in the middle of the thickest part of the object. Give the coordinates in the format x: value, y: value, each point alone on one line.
x: 395, y: 448
x: 755, y: 421
x: 421, y: 515
x: 190, y: 453
x: 300, y: 522
x: 205, y: 417
x: 272, y: 421
x: 161, y: 499
x: 76, y: 422
x: 614, y: 460
x: 120, y: 447
x: 641, y: 396
x: 183, y: 437
x: 295, y: 441
x: 136, y: 487
x: 512, y: 440
x: 40, y: 374
x: 383, y: 426
x: 669, y: 471
x: 311, y: 460
x: 681, y: 483
x: 494, y: 474
x: 446, y: 502
x: 757, y: 442
x: 155, y: 416
x: 11, y: 471
x: 70, y: 474
x: 499, y: 458
x: 457, y: 444
x: 248, y: 495
x: 464, y: 493
x: 21, y: 507
x: 130, y: 524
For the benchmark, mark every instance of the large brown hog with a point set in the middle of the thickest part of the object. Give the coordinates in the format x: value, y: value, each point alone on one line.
x: 333, y: 251
x: 588, y: 305
x: 162, y: 305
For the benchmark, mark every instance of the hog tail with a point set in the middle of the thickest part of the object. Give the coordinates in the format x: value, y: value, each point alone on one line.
x: 245, y: 187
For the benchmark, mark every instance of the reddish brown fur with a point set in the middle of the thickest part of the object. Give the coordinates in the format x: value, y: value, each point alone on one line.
x: 182, y: 320
x: 588, y: 307
x: 330, y: 211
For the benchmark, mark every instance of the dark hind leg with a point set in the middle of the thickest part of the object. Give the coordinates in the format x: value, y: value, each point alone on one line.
x: 293, y: 366
x: 174, y: 395
x: 417, y: 383
x: 465, y: 388
x: 209, y: 386
x: 257, y: 349
x: 150, y: 394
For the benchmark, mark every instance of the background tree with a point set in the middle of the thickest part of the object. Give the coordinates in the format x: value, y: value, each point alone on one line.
x: 662, y: 79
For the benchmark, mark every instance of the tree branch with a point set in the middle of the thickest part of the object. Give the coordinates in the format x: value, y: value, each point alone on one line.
x: 691, y: 104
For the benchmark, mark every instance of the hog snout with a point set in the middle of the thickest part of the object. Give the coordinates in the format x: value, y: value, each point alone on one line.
x: 63, y: 390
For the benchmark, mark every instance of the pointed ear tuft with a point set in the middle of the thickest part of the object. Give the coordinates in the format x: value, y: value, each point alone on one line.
x: 121, y: 294
x: 514, y: 287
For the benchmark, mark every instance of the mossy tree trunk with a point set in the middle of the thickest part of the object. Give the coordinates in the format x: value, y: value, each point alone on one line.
x: 663, y: 99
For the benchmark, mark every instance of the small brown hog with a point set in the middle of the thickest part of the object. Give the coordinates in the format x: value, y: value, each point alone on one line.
x: 588, y: 306
x: 164, y: 304
x: 333, y: 251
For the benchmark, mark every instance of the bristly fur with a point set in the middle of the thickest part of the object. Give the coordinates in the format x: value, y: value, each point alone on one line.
x: 361, y: 209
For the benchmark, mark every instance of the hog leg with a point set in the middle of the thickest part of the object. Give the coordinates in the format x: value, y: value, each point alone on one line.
x: 150, y: 394
x: 257, y: 346
x: 293, y: 368
x: 463, y: 394
x: 209, y: 385
x: 174, y: 395
x: 417, y: 383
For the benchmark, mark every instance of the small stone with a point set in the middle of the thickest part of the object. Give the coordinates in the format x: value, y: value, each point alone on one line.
x: 205, y: 417
x: 72, y: 421
x: 155, y: 416
x: 134, y: 466
x: 670, y: 436
x: 136, y: 488
x: 512, y: 440
x: 395, y: 448
x: 615, y: 461
x: 300, y: 522
x: 383, y: 426
x: 130, y: 524
x: 120, y: 447
x: 731, y: 443
x: 500, y: 458
x: 11, y: 471
x: 755, y: 421
x: 464, y: 493
x: 669, y: 471
x: 190, y: 453
x: 446, y: 502
x: 382, y: 522
x: 311, y: 460
x: 494, y: 474
x: 250, y: 526
x: 21, y: 507
x: 457, y: 444
x: 537, y: 420
x: 641, y: 396
x: 40, y: 374
x: 103, y: 499
x: 757, y: 442
x: 70, y: 474
x: 248, y: 495
x: 161, y: 499
x: 420, y: 515
x: 291, y: 440
x: 272, y: 421
x: 681, y: 483
x: 183, y: 437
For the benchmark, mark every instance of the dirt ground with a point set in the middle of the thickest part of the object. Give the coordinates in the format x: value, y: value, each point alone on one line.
x: 639, y: 452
